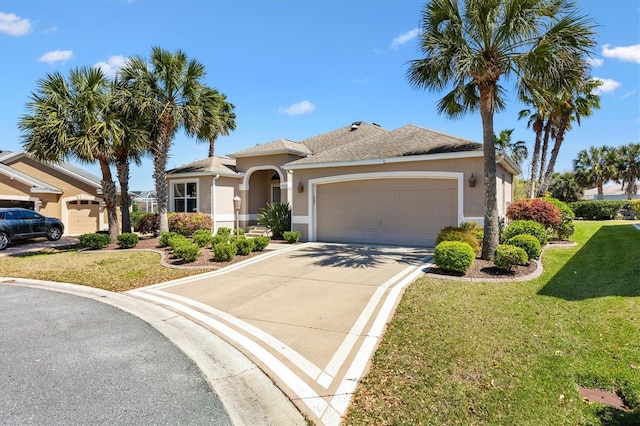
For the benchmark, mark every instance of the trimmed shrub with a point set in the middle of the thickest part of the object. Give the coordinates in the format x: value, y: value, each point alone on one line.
x: 187, y: 223
x: 535, y: 209
x: 135, y: 216
x: 165, y: 238
x: 454, y: 256
x: 291, y: 236
x: 240, y: 232
x: 219, y: 239
x: 260, y: 243
x: 566, y: 228
x: 276, y: 217
x: 528, y: 243
x: 223, y: 252
x: 202, y: 237
x: 508, y: 256
x: 94, y: 241
x: 186, y: 250
x: 223, y: 231
x: 148, y: 224
x: 597, y: 209
x: 530, y: 227
x: 463, y: 234
x: 177, y: 240
x: 635, y: 207
x: 245, y: 245
x: 475, y: 229
x: 128, y: 240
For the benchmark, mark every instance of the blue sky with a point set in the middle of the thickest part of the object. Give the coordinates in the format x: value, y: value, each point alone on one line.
x: 292, y: 68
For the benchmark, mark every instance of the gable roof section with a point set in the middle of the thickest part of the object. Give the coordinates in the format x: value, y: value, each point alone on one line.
x: 37, y: 186
x: 357, y: 131
x: 280, y: 146
x: 209, y: 166
x: 407, y: 141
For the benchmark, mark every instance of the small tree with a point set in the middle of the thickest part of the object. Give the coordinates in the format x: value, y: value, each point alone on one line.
x: 277, y: 218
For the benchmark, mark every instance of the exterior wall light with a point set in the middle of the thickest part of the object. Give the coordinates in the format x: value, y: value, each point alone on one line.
x: 300, y: 187
x: 472, y: 181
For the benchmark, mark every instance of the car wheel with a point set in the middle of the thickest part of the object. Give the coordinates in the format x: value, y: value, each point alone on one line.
x: 54, y: 233
x: 4, y: 240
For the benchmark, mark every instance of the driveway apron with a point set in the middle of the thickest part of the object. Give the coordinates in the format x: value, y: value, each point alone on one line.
x: 309, y: 315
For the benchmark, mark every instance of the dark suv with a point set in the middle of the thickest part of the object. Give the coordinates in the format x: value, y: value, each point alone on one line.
x: 18, y: 224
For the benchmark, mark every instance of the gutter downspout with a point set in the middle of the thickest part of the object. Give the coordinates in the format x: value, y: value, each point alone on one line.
x: 213, y: 204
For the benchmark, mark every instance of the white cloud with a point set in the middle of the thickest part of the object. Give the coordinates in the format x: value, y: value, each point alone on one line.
x: 12, y: 24
x: 51, y: 30
x: 608, y: 85
x: 56, y: 56
x: 303, y: 107
x: 595, y: 62
x: 623, y: 53
x: 405, y: 38
x: 112, y: 66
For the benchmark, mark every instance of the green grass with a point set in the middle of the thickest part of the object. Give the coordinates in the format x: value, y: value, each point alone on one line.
x: 515, y: 353
x: 108, y: 270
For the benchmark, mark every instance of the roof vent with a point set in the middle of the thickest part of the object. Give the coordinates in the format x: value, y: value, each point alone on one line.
x: 355, y: 124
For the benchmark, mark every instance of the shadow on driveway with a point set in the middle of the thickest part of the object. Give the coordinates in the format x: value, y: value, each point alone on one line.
x: 343, y: 256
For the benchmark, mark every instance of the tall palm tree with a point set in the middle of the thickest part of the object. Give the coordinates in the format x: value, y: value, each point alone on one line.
x: 472, y: 44
x: 595, y: 166
x: 219, y: 118
x: 628, y: 168
x: 516, y: 150
x: 572, y: 105
x: 69, y: 118
x: 170, y: 91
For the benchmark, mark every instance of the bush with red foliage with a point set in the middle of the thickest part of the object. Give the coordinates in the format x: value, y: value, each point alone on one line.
x: 149, y: 224
x: 535, y: 209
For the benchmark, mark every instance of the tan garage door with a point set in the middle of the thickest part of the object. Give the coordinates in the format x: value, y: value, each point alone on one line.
x: 83, y: 217
x: 386, y: 211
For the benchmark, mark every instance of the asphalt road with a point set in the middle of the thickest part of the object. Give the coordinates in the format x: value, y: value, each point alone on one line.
x: 70, y: 360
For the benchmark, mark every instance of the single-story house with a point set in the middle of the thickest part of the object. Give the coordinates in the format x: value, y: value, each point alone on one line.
x: 609, y: 192
x: 358, y: 184
x: 57, y: 190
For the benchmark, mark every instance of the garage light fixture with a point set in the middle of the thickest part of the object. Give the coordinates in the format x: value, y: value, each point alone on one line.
x: 300, y: 187
x: 472, y: 181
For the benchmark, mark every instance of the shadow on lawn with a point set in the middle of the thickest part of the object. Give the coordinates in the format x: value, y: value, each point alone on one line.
x: 607, y: 265
x: 361, y: 256
x: 610, y: 416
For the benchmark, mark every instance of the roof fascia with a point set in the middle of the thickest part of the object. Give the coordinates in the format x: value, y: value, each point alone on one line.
x: 271, y: 152
x: 35, y: 186
x: 199, y: 174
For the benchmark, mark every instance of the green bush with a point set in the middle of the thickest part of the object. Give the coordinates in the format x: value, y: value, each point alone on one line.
x: 94, y: 241
x: 165, y: 238
x: 276, y: 217
x: 597, y: 209
x: 245, y: 245
x: 187, y: 223
x: 475, y: 229
x: 508, y: 256
x: 454, y: 256
x: 291, y: 236
x: 128, y: 240
x: 260, y: 243
x: 135, y: 216
x: 530, y: 227
x: 219, y: 239
x: 566, y: 228
x: 202, y: 237
x: 223, y: 231
x: 186, y: 250
x: 223, y: 252
x: 148, y: 224
x: 177, y: 240
x: 240, y: 232
x: 635, y: 206
x: 528, y: 243
x: 464, y: 234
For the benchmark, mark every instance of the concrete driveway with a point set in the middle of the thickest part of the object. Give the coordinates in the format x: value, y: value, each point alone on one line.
x: 37, y: 244
x: 309, y: 315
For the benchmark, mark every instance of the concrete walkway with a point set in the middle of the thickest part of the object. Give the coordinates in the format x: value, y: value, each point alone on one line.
x: 310, y: 316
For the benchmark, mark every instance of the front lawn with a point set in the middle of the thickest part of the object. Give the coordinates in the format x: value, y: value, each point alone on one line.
x: 515, y: 353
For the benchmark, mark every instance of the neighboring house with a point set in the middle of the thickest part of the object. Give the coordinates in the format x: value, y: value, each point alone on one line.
x: 357, y: 184
x: 57, y: 190
x: 145, y: 200
x: 609, y: 192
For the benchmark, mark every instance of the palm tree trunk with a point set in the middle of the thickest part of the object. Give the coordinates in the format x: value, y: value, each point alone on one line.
x: 543, y: 156
x: 160, y: 154
x: 537, y: 127
x: 212, y: 145
x: 122, y: 168
x: 491, y: 231
x: 546, y: 180
x: 109, y: 193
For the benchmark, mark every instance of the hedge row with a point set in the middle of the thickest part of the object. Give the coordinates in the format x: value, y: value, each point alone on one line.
x: 604, y: 209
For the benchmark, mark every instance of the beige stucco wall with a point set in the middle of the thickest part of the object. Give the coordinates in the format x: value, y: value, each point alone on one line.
x: 225, y: 189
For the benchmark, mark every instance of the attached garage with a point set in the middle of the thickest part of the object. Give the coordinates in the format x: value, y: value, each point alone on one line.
x: 83, y: 217
x: 393, y: 211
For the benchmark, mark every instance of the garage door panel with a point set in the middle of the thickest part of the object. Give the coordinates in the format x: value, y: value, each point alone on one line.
x: 386, y: 211
x: 83, y: 217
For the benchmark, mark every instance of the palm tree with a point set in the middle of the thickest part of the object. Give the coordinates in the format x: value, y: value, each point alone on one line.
x: 70, y: 118
x: 219, y: 118
x: 170, y: 92
x: 628, y: 168
x: 516, y: 150
x: 595, y: 166
x: 571, y: 105
x: 471, y: 45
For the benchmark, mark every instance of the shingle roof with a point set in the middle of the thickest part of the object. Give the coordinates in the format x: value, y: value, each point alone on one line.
x: 405, y: 141
x: 342, y: 136
x: 210, y: 165
x: 278, y: 146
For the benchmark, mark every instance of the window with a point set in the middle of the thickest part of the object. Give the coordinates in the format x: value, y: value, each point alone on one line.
x: 185, y: 197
